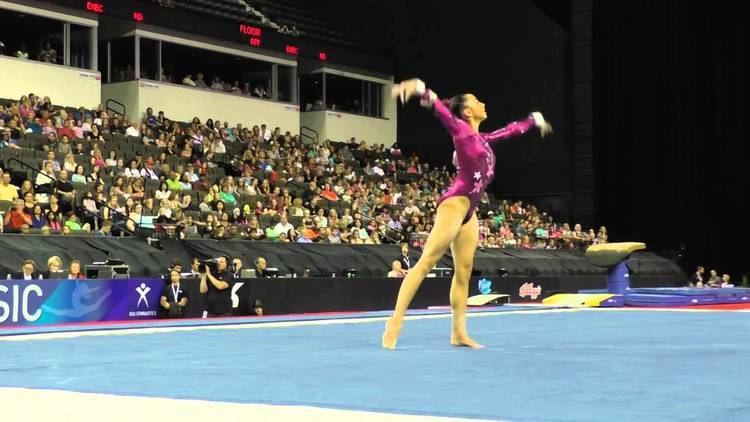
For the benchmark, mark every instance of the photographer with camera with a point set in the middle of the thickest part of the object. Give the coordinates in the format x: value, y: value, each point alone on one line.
x: 215, y: 281
x: 173, y: 298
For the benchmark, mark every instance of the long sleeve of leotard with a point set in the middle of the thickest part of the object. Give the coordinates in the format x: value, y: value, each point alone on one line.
x: 514, y: 129
x: 428, y: 99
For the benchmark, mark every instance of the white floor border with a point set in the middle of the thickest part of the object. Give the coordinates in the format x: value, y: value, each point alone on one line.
x: 19, y: 404
x: 250, y: 326
x: 364, y: 320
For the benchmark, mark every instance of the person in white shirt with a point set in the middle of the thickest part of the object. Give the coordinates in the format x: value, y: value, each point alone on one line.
x: 219, y: 147
x: 133, y: 130
x: 283, y: 226
x: 148, y: 171
x: 265, y: 132
x: 188, y: 80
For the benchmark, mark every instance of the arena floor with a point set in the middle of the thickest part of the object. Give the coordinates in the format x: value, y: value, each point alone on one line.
x: 539, y: 365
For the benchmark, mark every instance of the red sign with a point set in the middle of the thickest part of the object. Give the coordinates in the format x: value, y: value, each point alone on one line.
x: 323, y: 56
x: 291, y: 49
x: 255, y: 42
x: 94, y: 7
x: 138, y: 16
x: 253, y: 31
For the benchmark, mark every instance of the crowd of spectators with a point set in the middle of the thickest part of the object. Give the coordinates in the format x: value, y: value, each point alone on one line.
x: 105, y: 174
x: 698, y: 279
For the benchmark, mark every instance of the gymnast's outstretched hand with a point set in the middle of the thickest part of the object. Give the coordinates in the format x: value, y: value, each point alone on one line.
x: 406, y: 89
x: 544, y: 127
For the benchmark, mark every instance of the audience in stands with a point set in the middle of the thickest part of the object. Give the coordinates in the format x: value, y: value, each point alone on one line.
x: 197, y: 179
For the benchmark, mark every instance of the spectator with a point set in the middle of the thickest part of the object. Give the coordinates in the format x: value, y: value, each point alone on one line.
x: 17, y: 219
x: 714, y: 280
x: 404, y: 258
x: 237, y: 267
x: 219, y: 299
x: 188, y: 80
x: 106, y: 229
x: 194, y: 266
x: 199, y: 82
x: 28, y: 271
x: 54, y: 268
x: 283, y: 225
x: 258, y: 307
x: 173, y: 297
x: 48, y: 54
x: 260, y: 267
x: 725, y: 281
x: 697, y: 278
x: 75, y: 271
x: 8, y: 192
x: 396, y: 271
x: 38, y: 220
x: 22, y: 52
x: 260, y: 91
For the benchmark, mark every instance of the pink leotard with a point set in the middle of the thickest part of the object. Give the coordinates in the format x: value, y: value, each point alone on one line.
x: 474, y: 158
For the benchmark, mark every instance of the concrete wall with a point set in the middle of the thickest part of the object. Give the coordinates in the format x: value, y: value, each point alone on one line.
x: 66, y: 86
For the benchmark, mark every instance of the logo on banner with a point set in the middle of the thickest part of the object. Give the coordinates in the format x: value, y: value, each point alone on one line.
x: 81, y: 304
x: 235, y: 298
x: 485, y: 286
x: 528, y: 289
x: 142, y: 290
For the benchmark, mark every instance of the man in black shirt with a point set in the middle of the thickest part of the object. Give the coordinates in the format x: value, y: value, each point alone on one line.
x: 260, y: 267
x: 219, y: 299
x: 404, y: 258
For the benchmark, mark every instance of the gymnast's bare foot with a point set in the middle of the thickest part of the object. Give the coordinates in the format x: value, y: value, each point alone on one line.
x: 392, y: 331
x: 464, y: 341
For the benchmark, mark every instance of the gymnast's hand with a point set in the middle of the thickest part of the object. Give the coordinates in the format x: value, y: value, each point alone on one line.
x: 544, y: 127
x: 405, y: 90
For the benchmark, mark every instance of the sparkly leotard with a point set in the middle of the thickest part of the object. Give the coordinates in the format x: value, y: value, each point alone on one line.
x: 474, y: 158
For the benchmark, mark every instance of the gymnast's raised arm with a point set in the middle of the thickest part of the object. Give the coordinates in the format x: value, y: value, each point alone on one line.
x: 520, y: 127
x: 428, y: 99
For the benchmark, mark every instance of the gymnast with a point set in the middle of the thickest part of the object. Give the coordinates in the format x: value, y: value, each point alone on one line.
x: 455, y: 223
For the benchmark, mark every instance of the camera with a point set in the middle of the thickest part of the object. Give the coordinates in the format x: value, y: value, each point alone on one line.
x: 213, y: 264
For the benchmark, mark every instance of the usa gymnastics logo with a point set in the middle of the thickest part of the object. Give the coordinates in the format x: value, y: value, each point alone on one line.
x: 485, y: 286
x: 528, y: 289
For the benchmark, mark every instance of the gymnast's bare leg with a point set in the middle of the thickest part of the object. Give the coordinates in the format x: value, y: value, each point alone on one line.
x: 463, y: 249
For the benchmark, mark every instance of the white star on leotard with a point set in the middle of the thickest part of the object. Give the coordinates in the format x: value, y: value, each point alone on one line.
x: 477, y: 175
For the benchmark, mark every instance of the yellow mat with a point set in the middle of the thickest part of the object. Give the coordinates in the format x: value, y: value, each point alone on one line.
x: 609, y: 254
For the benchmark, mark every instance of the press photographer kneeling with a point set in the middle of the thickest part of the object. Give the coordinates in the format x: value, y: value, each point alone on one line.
x: 215, y: 280
x: 173, y: 297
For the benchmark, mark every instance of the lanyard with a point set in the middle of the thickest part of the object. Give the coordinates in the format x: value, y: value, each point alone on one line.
x: 175, y: 292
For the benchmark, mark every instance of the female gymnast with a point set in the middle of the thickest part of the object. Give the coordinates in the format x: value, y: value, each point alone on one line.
x: 455, y: 223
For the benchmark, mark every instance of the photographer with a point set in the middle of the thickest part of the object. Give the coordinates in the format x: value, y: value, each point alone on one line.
x: 219, y: 300
x: 173, y: 298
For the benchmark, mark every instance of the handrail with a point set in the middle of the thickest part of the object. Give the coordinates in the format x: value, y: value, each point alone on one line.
x: 124, y: 109
x: 317, y: 135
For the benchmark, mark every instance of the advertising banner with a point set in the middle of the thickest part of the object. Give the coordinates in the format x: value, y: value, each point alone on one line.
x: 36, y: 302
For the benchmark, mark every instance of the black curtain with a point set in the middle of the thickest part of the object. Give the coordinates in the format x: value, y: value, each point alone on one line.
x: 670, y: 103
